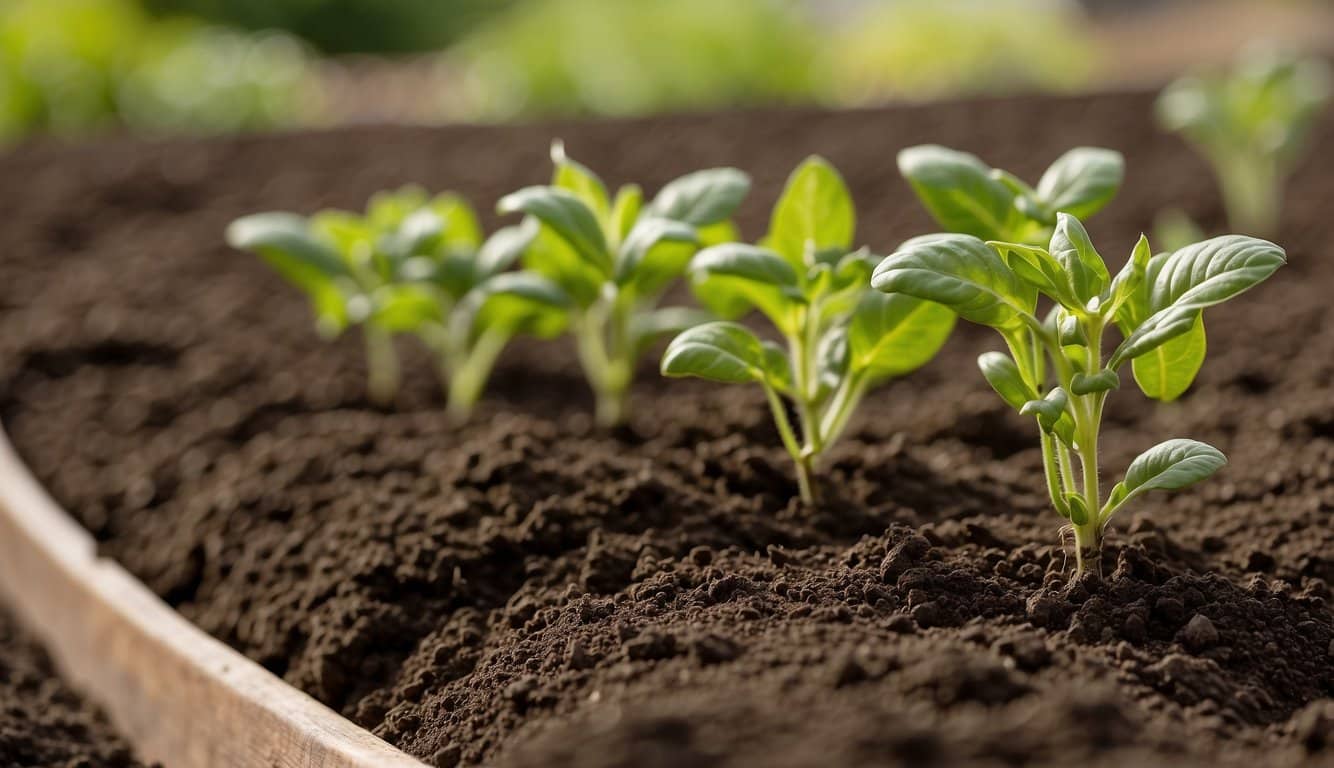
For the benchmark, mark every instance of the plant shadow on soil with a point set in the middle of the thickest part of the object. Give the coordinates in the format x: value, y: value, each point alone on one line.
x: 525, y: 590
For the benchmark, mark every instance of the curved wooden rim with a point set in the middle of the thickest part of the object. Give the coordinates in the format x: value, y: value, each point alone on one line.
x: 178, y: 695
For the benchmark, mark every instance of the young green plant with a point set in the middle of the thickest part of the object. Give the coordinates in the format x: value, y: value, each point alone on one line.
x: 1251, y: 124
x: 615, y: 257
x: 1056, y: 370
x: 412, y: 265
x: 967, y: 196
x: 840, y: 337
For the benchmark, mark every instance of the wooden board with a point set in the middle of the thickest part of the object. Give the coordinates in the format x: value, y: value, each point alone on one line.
x: 178, y: 695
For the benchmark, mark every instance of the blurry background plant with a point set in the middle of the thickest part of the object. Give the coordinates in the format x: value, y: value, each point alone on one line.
x: 73, y: 66
x: 70, y: 66
x: 632, y: 57
x: 1251, y: 124
x: 921, y: 48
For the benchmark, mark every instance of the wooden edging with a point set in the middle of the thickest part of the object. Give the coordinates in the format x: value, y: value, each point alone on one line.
x: 178, y: 695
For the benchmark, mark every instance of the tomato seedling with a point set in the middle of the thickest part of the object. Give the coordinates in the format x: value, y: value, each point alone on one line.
x: 1251, y: 125
x: 840, y: 337
x: 1056, y: 370
x: 615, y: 257
x: 965, y: 195
x: 412, y: 264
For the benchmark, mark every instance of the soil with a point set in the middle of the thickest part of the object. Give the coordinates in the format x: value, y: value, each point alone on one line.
x: 527, y: 590
x: 44, y: 723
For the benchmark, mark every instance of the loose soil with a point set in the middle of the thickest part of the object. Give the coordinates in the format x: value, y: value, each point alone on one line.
x: 43, y: 723
x: 528, y: 591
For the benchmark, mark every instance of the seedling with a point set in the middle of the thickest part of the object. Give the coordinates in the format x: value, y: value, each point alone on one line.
x: 615, y: 257
x: 1251, y: 124
x: 1155, y: 300
x: 841, y: 338
x: 413, y: 265
x: 965, y: 195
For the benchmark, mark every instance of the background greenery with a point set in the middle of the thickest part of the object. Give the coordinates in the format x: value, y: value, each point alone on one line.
x: 74, y: 66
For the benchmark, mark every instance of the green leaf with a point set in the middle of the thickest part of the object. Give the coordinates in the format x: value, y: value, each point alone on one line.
x: 962, y: 273
x: 746, y: 262
x: 1166, y: 372
x: 1048, y: 409
x: 580, y: 182
x: 1004, y: 377
x: 1082, y: 181
x: 832, y: 357
x: 1126, y: 285
x: 625, y: 211
x: 504, y: 247
x: 1035, y: 266
x: 386, y: 209
x: 1214, y: 271
x: 405, y: 307
x: 1193, y: 278
x: 1088, y: 383
x: 284, y: 241
x: 702, y: 198
x: 717, y: 351
x: 1083, y: 265
x: 815, y: 212
x: 552, y: 256
x: 959, y: 191
x: 646, y: 234
x: 1079, y: 509
x: 461, y: 230
x: 568, y: 217
x: 1168, y: 466
x: 893, y: 334
x: 518, y: 302
x: 733, y: 278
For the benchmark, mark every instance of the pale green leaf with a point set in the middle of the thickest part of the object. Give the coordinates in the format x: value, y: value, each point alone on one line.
x: 567, y: 216
x: 1166, y: 372
x: 963, y: 274
x: 718, y: 351
x: 702, y: 198
x: 815, y: 212
x: 959, y: 191
x: 1082, y: 181
x: 893, y: 334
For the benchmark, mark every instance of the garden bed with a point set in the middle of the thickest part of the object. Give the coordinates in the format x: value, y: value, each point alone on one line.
x: 528, y: 590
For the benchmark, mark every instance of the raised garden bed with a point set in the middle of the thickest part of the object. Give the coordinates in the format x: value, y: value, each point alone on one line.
x: 527, y: 590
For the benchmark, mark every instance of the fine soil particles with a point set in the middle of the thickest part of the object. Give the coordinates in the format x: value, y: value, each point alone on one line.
x: 43, y: 722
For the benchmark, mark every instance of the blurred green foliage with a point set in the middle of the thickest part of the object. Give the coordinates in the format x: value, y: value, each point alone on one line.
x: 72, y: 66
x: 621, y: 57
x: 918, y: 48
x: 633, y: 56
x: 345, y: 26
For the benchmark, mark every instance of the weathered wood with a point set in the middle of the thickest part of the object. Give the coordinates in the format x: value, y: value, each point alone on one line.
x: 178, y: 695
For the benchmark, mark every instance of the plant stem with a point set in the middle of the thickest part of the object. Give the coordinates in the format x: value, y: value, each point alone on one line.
x: 790, y: 442
x: 468, y: 377
x: 802, y: 349
x: 1252, y: 190
x: 381, y: 366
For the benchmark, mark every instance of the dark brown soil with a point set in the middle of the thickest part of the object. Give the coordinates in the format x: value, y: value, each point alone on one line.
x: 43, y: 723
x: 528, y: 591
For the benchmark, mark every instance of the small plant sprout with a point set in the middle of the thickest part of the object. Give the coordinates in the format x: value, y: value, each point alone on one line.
x: 840, y: 337
x: 965, y: 195
x: 417, y: 265
x: 1251, y: 125
x: 614, y: 257
x: 1056, y: 370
